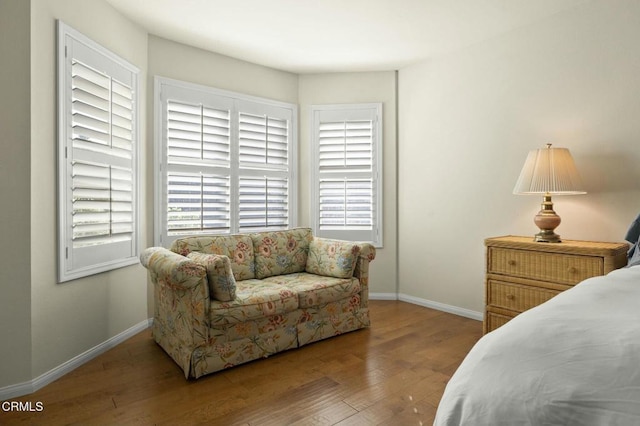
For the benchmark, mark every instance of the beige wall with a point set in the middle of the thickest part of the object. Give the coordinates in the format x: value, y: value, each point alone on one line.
x: 15, y: 180
x: 468, y: 119
x: 318, y: 89
x: 68, y: 319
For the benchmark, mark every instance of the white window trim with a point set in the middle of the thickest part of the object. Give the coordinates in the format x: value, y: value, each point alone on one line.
x: 377, y: 174
x: 66, y: 271
x: 161, y: 237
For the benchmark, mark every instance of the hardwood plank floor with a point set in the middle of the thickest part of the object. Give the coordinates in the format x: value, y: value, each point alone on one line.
x: 393, y: 373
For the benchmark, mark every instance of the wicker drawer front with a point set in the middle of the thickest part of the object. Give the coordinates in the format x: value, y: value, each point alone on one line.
x: 493, y: 321
x: 516, y: 297
x: 559, y: 268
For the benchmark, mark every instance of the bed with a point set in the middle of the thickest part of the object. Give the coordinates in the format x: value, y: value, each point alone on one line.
x: 574, y: 360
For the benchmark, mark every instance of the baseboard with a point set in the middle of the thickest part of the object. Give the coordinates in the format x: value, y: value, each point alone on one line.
x: 383, y: 296
x: 20, y: 389
x: 467, y: 313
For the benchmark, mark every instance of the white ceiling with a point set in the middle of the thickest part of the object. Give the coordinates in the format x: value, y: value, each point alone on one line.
x: 306, y: 36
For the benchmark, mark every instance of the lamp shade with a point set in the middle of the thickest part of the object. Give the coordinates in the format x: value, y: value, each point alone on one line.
x: 549, y: 171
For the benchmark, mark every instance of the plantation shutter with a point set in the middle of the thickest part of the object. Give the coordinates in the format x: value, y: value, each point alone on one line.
x: 224, y: 162
x: 198, y: 164
x: 347, y: 172
x: 97, y: 184
x: 102, y: 173
x: 264, y: 167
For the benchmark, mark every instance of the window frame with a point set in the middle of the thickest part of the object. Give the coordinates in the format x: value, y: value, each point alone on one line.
x: 78, y: 262
x: 162, y: 237
x: 374, y: 111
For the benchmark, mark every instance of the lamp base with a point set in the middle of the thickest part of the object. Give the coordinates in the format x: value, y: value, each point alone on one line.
x: 547, y: 237
x: 547, y: 220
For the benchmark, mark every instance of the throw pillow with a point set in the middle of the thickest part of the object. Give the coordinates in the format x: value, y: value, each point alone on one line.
x: 222, y: 284
x: 332, y: 258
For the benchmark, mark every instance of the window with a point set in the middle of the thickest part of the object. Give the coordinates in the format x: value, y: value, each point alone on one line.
x: 225, y: 162
x: 347, y: 172
x: 97, y: 156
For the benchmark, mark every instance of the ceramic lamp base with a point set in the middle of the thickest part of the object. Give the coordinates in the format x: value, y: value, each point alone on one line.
x: 547, y: 220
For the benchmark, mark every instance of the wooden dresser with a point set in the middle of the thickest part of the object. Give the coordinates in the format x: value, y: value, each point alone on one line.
x: 522, y: 273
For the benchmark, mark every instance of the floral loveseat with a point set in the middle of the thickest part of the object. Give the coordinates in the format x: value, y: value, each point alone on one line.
x: 225, y: 300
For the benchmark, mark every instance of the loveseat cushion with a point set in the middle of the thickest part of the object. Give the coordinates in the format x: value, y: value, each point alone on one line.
x: 281, y: 252
x: 238, y: 248
x: 313, y: 290
x: 254, y: 299
x: 222, y: 284
x: 332, y: 258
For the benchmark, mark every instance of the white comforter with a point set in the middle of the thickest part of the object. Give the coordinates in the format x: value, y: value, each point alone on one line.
x: 574, y: 360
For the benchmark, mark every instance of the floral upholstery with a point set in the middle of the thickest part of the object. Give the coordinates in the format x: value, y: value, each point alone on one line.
x: 331, y: 319
x: 220, y: 333
x: 222, y: 284
x: 332, y: 258
x: 278, y: 303
x: 273, y: 334
x: 313, y: 290
x: 281, y: 252
x: 238, y: 248
x: 254, y: 299
x: 181, y: 303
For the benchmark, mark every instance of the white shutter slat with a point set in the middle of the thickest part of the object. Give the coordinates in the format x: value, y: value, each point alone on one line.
x: 263, y: 140
x: 98, y: 93
x: 198, y: 202
x: 83, y: 109
x: 346, y: 203
x: 197, y: 132
x: 102, y: 203
x: 346, y: 145
x: 263, y: 203
x: 79, y: 69
x: 102, y: 112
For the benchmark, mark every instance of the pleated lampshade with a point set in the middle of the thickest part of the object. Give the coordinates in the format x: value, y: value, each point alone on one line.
x: 549, y: 170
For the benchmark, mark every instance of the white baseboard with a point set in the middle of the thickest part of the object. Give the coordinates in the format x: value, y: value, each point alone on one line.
x: 467, y: 313
x: 383, y: 296
x: 20, y: 389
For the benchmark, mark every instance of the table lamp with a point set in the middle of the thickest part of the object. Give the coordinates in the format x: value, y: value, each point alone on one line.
x: 548, y: 171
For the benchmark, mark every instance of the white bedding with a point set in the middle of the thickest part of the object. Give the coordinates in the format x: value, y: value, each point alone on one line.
x: 574, y: 360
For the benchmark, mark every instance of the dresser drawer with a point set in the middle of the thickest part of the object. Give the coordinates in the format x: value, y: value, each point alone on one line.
x: 493, y: 320
x: 516, y: 297
x: 559, y: 268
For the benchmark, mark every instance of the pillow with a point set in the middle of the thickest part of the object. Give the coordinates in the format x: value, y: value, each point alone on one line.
x: 332, y: 258
x: 633, y: 236
x: 222, y: 284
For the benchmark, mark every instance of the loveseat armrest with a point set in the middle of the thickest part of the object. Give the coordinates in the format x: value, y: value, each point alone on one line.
x: 361, y: 271
x: 181, y: 303
x: 366, y: 255
x: 174, y: 269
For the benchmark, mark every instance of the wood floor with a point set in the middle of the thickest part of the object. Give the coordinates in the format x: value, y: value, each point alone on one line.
x: 393, y: 373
